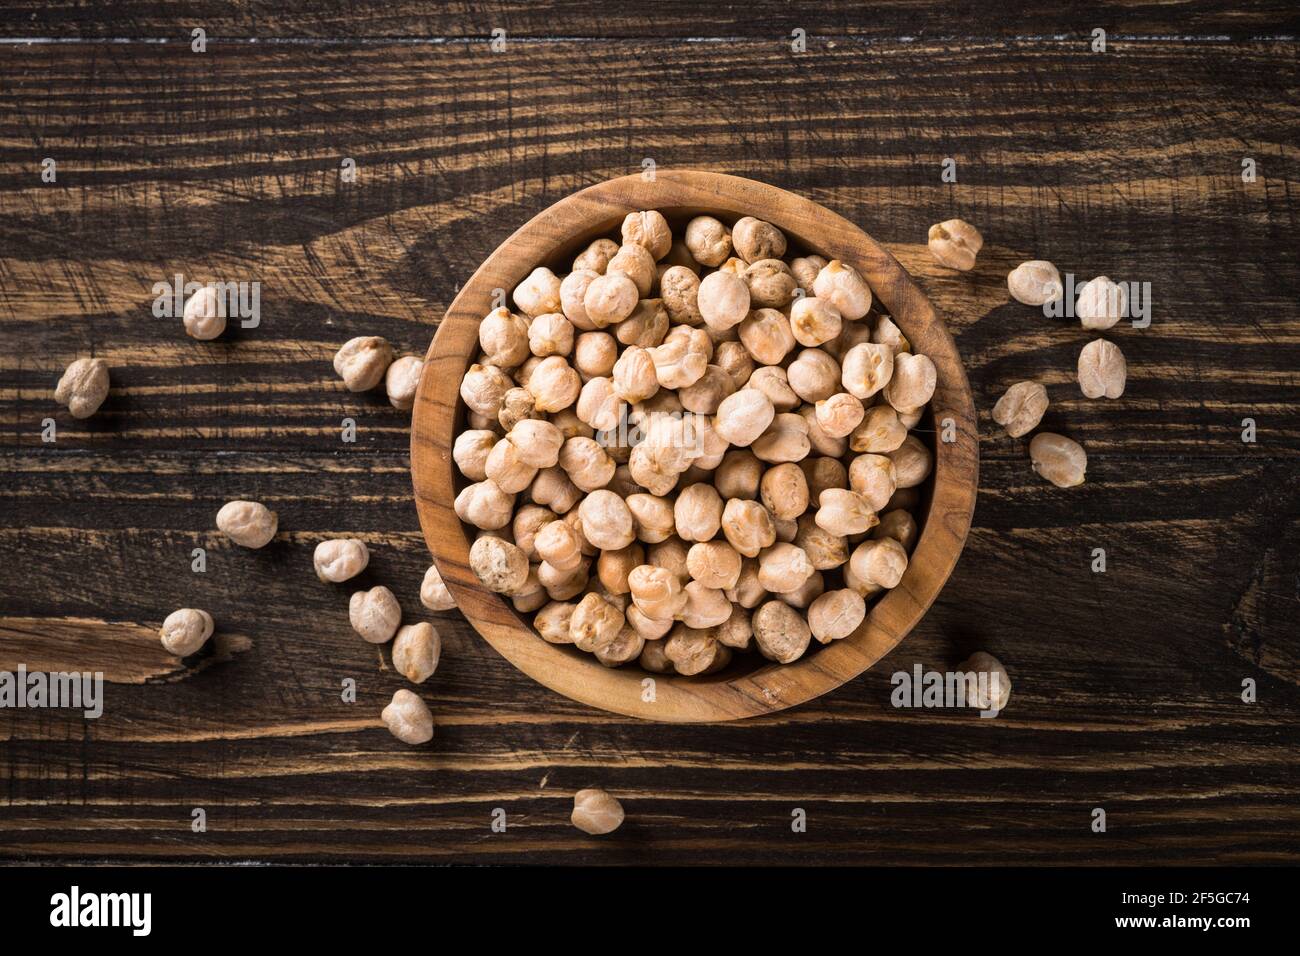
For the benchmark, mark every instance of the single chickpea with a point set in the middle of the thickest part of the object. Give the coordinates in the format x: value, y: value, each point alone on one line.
x: 824, y: 550
x: 550, y: 334
x: 408, y: 718
x: 596, y: 256
x: 875, y: 478
x: 836, y: 614
x: 885, y: 332
x: 1021, y: 409
x: 736, y: 631
x: 523, y: 373
x: 573, y: 303
x: 692, y: 650
x: 840, y: 414
x: 913, y: 382
x: 606, y: 521
x: 652, y: 517
x: 527, y: 521
x: 375, y: 614
x: 537, y: 442
x: 646, y: 326
x: 484, y: 387
x: 739, y: 475
x: 554, y: 385
x: 416, y: 650
x: 648, y: 627
x: 814, y: 375
x: 683, y: 358
x: 613, y: 567
x: 908, y: 499
x: 539, y: 293
x: 558, y: 544
x: 653, y: 469
x: 802, y: 596
x: 338, y: 559
x: 552, y: 622
x: 185, y: 631
x: 880, y: 561
x: 880, y: 431
x: 594, y: 354
x: 773, y: 382
x: 1102, y: 370
x: 362, y: 361
x: 707, y: 392
x: 714, y: 564
x: 748, y: 591
x: 1036, y: 282
x: 734, y: 359
x: 843, y: 286
x: 996, y: 692
x: 822, y: 473
x: 805, y: 269
x: 599, y: 405
x: 705, y: 607
x: 781, y: 633
x: 755, y: 239
x: 657, y: 591
x: 786, y: 439
x: 899, y: 525
x: 785, y: 491
x: 484, y: 505
x: 843, y: 512
x: 586, y: 463
x: 637, y: 264
x: 570, y: 425
x: 744, y: 416
x: 649, y: 229
x: 708, y: 240
x: 814, y: 321
x: 867, y: 369
x: 503, y: 336
x: 532, y: 594
x: 609, y: 299
x: 722, y: 300
x: 401, y: 381
x: 623, y: 649
x: 83, y: 387
x: 767, y: 336
x: 771, y: 283
x: 747, y: 526
x: 1101, y: 303
x: 654, y: 657
x: 635, y: 378
x: 819, y: 442
x: 470, y: 452
x: 1060, y: 460
x: 679, y: 290
x: 698, y: 512
x: 595, y: 623
x: 205, y: 314
x: 504, y: 467
x: 955, y: 244
x: 783, y: 567
x: 859, y: 585
x: 500, y: 565
x: 912, y: 462
x: 434, y: 593
x: 249, y: 524
x: 563, y: 585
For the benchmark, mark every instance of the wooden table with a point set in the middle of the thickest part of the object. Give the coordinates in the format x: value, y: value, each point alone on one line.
x: 226, y: 164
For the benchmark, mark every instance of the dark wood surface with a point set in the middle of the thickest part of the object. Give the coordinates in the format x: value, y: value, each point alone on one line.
x: 225, y: 165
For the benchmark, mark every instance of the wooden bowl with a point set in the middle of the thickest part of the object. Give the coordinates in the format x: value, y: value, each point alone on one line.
x: 750, y: 685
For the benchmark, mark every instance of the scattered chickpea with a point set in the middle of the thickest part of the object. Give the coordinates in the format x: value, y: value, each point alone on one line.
x: 185, y: 631
x: 955, y: 244
x: 1060, y: 460
x: 401, y: 381
x: 362, y: 362
x: 596, y: 812
x: 408, y: 718
x: 416, y: 650
x: 998, y: 693
x: 375, y: 614
x: 205, y: 314
x: 1101, y: 303
x: 339, y: 559
x: 1102, y: 370
x: 249, y: 524
x: 83, y: 387
x: 1035, y: 282
x: 434, y: 593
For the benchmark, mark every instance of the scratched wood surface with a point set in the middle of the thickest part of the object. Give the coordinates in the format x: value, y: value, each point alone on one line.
x: 225, y: 165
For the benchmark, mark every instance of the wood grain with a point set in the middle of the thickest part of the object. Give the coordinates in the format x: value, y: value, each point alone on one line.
x: 1127, y: 684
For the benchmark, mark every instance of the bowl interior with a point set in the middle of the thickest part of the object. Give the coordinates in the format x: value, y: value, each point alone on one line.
x: 749, y: 685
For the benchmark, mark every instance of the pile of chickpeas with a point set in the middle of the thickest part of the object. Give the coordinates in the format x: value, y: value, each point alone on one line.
x: 692, y: 446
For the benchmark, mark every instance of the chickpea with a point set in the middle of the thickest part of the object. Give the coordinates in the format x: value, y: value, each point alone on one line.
x: 859, y: 585
x: 836, y: 614
x: 843, y: 286
x: 880, y: 561
x: 736, y: 631
x: 840, y: 414
x: 408, y: 718
x: 516, y: 405
x: 824, y: 550
x: 654, y: 657
x: 653, y: 469
x: 626, y: 647
x: 401, y: 381
x: 1036, y: 282
x: 559, y: 545
x: 1101, y: 303
x: 470, y: 452
x: 679, y: 290
x: 785, y: 491
x: 955, y: 244
x: 912, y: 462
x: 599, y: 405
x: 634, y: 377
x: 783, y: 567
x: 683, y: 358
x: 648, y: 229
x: 185, y: 631
x: 524, y: 372
x: 504, y: 467
x: 814, y: 375
x: 586, y: 463
x: 362, y: 361
x: 771, y: 284
x: 899, y: 525
x: 375, y: 614
x: 786, y: 439
x: 652, y: 517
x: 906, y: 498
x: 83, y: 387
x: 554, y: 385
x: 646, y: 326
x: 613, y: 567
x: 773, y: 382
x: 805, y: 269
x: 338, y: 559
x: 1021, y: 409
x: 781, y: 633
x: 767, y: 336
x: 484, y: 387
x: 875, y: 478
x: 738, y: 475
x: 416, y: 650
x: 705, y: 607
x: 997, y: 691
x: 814, y: 321
x: 537, y: 442
x: 714, y: 564
x: 503, y: 336
x: 819, y: 442
x: 652, y: 629
x: 822, y: 473
x: 570, y: 425
x: 692, y: 650
x: 910, y: 420
x: 595, y: 623
x: 484, y: 505
x: 552, y: 622
x: 747, y: 526
x: 1060, y: 460
x: 606, y: 520
x: 657, y: 591
x: 843, y: 512
x: 851, y: 334
x: 885, y: 332
x: 748, y: 591
x: 867, y: 369
x: 722, y: 300
x: 755, y: 239
x: 532, y: 594
x: 708, y: 240
x: 1102, y: 370
x: 913, y: 382
x: 698, y: 512
x: 499, y: 564
x: 596, y: 256
x: 744, y: 416
x: 594, y: 354
x: 637, y: 264
x: 550, y: 334
x: 880, y: 431
x: 678, y: 255
x: 734, y: 359
x: 204, y: 317
x: 706, y: 394
x: 563, y: 585
x: 539, y: 293
x: 434, y: 593
x: 609, y: 299
x: 249, y: 524
x: 573, y: 304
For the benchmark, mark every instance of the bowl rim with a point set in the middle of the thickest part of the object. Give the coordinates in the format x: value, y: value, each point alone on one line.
x: 597, y: 210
